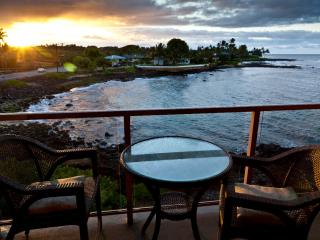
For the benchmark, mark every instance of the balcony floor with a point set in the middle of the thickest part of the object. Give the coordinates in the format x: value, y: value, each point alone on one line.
x: 115, y: 227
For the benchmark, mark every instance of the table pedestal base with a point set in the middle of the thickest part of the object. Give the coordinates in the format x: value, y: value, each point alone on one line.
x: 174, y: 206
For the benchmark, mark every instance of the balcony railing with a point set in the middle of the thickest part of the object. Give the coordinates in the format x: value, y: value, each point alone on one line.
x: 127, y: 114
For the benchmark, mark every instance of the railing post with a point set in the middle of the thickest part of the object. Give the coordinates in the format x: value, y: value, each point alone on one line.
x: 253, y: 133
x: 129, y: 178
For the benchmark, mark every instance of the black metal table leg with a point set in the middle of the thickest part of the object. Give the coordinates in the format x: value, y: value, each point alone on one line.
x: 156, y: 211
x: 157, y: 227
x: 147, y: 223
x: 194, y: 225
x: 193, y: 214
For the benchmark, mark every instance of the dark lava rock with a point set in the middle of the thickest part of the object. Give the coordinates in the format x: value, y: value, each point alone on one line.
x: 108, y: 135
x: 269, y: 150
x: 69, y: 105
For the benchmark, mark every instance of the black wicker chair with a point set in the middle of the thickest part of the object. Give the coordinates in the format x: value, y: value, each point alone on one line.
x: 285, y: 208
x: 26, y: 167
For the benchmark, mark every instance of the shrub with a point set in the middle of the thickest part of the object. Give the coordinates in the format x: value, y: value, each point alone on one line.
x: 15, y: 84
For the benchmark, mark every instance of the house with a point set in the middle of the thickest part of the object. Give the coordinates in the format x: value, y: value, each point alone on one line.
x: 158, y: 61
x: 134, y: 57
x: 184, y: 61
x: 115, y: 59
x: 215, y: 57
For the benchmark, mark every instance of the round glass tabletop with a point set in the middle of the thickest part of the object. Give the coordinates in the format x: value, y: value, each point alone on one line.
x: 175, y: 159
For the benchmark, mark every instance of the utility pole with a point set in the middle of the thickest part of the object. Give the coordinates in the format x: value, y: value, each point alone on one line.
x: 57, y: 60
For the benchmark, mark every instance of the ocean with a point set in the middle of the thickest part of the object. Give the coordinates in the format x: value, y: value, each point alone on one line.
x: 226, y: 87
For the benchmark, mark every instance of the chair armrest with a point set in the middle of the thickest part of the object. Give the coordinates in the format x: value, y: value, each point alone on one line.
x: 53, y: 188
x: 78, y: 152
x: 262, y: 203
x: 264, y: 165
x: 238, y: 159
x: 250, y: 161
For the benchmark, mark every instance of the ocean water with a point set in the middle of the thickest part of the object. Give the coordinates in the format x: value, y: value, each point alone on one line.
x: 228, y: 87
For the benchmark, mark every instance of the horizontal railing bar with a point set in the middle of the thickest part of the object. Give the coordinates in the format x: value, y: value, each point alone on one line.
x: 145, y: 112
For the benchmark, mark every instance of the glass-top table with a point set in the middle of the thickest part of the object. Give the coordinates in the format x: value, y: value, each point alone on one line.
x: 176, y: 162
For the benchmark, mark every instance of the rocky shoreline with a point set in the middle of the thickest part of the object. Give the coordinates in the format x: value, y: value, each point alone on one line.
x: 16, y: 98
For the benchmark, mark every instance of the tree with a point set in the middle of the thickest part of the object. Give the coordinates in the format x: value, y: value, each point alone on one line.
x: 92, y: 52
x: 3, y: 34
x: 84, y: 63
x: 131, y: 50
x: 222, y: 50
x: 3, y: 49
x: 159, y: 50
x: 243, y: 51
x: 232, y: 48
x: 177, y: 49
x: 259, y: 51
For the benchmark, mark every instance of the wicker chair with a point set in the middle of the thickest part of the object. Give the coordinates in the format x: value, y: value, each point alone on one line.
x: 26, y: 167
x: 285, y: 209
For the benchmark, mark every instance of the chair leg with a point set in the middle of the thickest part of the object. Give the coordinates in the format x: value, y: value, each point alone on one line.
x: 11, y: 233
x: 226, y: 221
x: 194, y: 224
x: 26, y: 232
x: 84, y: 235
x: 98, y: 207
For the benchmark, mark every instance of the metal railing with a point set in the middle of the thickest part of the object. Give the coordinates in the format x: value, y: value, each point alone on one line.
x: 127, y: 114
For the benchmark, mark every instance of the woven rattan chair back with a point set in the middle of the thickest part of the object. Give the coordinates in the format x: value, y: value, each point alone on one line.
x: 304, y: 174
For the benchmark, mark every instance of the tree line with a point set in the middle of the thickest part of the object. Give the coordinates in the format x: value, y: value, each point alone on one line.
x: 91, y: 57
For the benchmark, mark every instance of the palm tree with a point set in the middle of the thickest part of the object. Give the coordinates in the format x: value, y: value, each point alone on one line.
x: 3, y: 34
x: 232, y: 48
x: 159, y: 50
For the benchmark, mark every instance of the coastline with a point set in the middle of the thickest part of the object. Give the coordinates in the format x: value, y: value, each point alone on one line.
x: 17, y: 95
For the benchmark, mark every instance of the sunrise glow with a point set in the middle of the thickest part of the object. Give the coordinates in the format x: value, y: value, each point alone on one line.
x: 22, y: 34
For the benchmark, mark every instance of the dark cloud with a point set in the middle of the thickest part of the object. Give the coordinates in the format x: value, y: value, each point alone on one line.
x: 244, y: 13
x: 224, y: 13
x: 130, y: 11
x: 276, y: 41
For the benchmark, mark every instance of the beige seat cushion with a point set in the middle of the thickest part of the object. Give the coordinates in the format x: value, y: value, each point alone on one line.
x: 284, y: 194
x: 62, y: 203
x: 250, y: 217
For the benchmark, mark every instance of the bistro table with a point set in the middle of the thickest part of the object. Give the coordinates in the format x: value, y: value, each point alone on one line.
x: 187, y: 165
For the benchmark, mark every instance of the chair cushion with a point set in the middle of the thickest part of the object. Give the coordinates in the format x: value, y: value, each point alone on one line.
x: 251, y: 217
x: 284, y: 194
x: 62, y: 203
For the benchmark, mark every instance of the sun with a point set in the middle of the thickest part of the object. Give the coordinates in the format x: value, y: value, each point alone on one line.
x: 26, y: 34
x: 23, y: 34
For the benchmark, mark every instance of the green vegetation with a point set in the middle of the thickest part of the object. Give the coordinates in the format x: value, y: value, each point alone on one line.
x: 111, y: 198
x: 14, y: 84
x: 177, y: 49
x: 9, y: 106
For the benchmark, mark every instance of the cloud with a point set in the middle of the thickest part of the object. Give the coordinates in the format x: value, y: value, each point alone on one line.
x: 275, y: 24
x: 223, y: 13
x: 94, y: 37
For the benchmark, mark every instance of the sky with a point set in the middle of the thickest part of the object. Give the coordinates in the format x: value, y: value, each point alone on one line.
x: 282, y: 26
